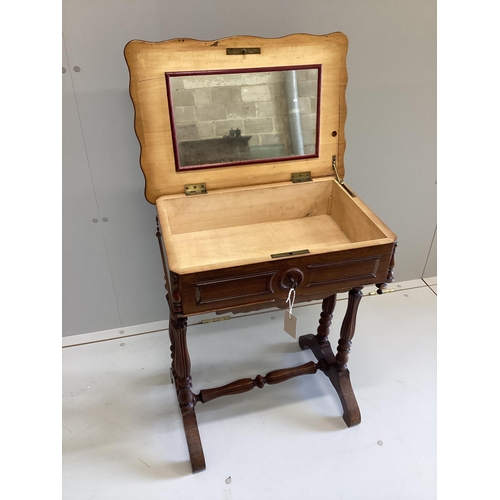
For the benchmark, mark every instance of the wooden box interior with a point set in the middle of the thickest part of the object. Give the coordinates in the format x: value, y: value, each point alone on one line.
x: 240, y: 226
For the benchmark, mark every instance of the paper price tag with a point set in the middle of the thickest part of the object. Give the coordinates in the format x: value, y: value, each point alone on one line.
x: 290, y: 324
x: 290, y: 320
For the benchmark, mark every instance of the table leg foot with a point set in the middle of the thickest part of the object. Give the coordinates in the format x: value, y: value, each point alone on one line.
x: 193, y: 441
x: 340, y: 379
x: 342, y: 383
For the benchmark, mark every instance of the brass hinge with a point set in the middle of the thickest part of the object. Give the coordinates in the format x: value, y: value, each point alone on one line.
x: 301, y: 177
x: 190, y: 189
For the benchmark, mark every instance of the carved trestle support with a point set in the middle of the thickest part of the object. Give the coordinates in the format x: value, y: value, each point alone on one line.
x: 335, y: 366
x: 181, y: 376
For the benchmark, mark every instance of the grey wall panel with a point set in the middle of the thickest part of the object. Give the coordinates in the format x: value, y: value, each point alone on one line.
x: 130, y: 229
x: 96, y: 35
x: 391, y: 152
x: 88, y: 297
x: 392, y: 167
x: 430, y: 269
x: 391, y: 121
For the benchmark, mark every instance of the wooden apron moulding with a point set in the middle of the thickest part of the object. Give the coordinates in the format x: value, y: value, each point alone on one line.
x: 270, y: 215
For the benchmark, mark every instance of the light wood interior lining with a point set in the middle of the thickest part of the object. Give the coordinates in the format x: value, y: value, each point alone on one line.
x: 241, y: 207
x: 230, y: 246
x: 352, y: 216
x: 227, y: 228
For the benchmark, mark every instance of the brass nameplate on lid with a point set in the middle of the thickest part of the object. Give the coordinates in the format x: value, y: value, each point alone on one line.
x: 242, y: 51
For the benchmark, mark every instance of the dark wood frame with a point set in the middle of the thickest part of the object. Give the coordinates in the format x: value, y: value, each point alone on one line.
x: 330, y: 266
x: 334, y: 366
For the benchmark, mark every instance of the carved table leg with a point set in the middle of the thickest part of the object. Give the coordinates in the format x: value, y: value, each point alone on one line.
x: 319, y: 343
x: 335, y: 367
x: 181, y: 374
x: 339, y: 373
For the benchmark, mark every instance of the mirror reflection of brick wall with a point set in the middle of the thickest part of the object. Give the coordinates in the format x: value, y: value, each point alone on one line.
x: 254, y: 104
x: 307, y: 81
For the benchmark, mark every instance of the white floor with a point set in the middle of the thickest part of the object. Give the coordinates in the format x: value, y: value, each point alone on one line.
x: 123, y: 435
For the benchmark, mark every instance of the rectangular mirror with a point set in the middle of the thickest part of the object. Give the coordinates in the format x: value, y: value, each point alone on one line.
x: 222, y: 118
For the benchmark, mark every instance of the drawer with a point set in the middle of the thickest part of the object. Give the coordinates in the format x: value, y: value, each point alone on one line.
x: 313, y: 276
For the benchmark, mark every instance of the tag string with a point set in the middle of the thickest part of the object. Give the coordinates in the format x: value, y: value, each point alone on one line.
x: 291, y: 300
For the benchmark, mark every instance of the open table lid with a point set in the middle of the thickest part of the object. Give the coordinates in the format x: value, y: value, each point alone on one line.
x: 159, y: 70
